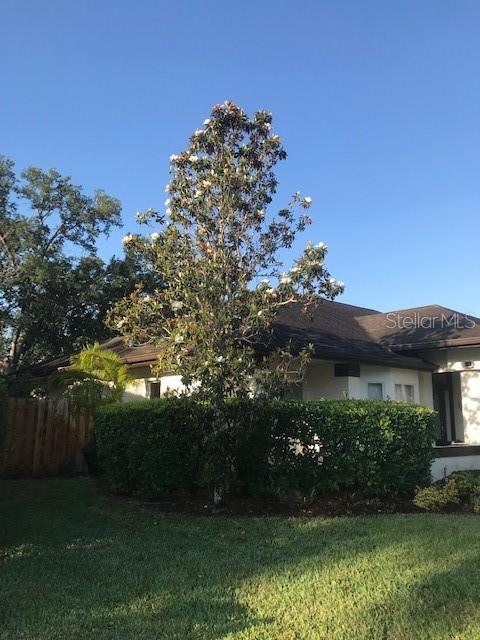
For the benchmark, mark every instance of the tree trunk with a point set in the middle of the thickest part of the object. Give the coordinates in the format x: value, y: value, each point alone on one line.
x: 218, y: 494
x: 15, y: 353
x: 219, y: 426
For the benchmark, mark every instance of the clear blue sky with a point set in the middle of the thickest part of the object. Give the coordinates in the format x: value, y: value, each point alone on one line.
x: 377, y: 102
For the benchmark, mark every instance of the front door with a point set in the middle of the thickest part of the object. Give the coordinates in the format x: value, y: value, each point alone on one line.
x: 443, y: 404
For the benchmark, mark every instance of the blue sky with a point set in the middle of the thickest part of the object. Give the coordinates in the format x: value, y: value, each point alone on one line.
x: 378, y: 105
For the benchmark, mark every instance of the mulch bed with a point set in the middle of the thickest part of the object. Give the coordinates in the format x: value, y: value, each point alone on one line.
x: 201, y: 504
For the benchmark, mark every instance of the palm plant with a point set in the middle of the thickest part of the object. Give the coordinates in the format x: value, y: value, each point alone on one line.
x: 96, y: 376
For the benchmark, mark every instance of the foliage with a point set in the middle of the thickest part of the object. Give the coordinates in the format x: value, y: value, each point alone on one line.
x: 52, y: 302
x: 3, y: 407
x: 103, y: 364
x: 70, y: 308
x: 476, y: 504
x: 461, y: 487
x: 467, y: 483
x: 111, y: 570
x: 437, y: 498
x: 218, y: 251
x: 152, y: 446
x: 97, y: 377
x: 376, y: 448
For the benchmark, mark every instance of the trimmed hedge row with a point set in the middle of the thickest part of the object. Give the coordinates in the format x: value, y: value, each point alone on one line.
x: 375, y: 447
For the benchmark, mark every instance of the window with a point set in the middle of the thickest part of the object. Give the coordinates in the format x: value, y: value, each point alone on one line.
x: 293, y: 392
x: 405, y: 393
x: 375, y: 390
x: 409, y: 393
x: 153, y: 390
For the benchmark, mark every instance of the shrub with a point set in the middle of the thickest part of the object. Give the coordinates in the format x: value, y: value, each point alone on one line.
x: 375, y: 447
x: 460, y: 487
x: 437, y: 497
x: 467, y: 483
x: 336, y: 445
x: 476, y: 504
x: 151, y: 446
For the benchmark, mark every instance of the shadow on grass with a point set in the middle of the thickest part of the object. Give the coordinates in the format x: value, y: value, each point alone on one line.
x: 444, y: 604
x: 78, y: 566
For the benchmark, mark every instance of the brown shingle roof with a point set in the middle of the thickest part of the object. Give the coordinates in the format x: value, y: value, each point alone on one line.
x: 342, y: 332
x: 336, y: 332
x: 422, y: 328
x: 135, y: 355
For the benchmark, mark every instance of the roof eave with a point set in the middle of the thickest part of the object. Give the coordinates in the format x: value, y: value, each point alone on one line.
x: 372, y: 360
x: 437, y: 344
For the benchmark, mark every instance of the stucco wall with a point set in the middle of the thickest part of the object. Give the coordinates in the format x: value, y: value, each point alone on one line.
x: 320, y: 382
x: 138, y: 389
x: 466, y: 387
x: 454, y: 359
x: 388, y: 377
x: 425, y: 389
x: 470, y: 389
x: 170, y: 383
x: 442, y: 467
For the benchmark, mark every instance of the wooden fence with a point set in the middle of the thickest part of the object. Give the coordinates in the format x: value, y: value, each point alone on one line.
x: 43, y: 438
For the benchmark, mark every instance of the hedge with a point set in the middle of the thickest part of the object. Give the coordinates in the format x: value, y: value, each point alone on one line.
x: 374, y: 447
x: 151, y: 446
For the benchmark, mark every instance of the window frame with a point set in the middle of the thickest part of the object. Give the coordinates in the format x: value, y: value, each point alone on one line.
x: 401, y: 394
x: 376, y: 385
x: 157, y: 385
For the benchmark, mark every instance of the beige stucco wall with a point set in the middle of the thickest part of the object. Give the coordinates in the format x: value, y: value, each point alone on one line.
x: 137, y: 389
x: 425, y: 389
x: 170, y: 383
x: 454, y: 359
x: 320, y: 382
x: 388, y: 377
x: 470, y: 390
x: 442, y: 467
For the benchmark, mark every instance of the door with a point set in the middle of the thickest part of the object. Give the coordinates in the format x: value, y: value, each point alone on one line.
x: 443, y: 404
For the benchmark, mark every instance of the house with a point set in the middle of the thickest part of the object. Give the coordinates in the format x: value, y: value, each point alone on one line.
x: 426, y: 355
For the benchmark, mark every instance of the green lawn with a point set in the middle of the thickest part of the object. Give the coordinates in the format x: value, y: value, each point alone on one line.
x: 78, y: 566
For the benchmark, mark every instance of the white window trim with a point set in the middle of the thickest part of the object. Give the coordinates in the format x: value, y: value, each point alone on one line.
x: 376, y: 384
x: 404, y: 396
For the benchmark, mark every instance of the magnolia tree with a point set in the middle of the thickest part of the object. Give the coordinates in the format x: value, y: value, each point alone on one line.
x: 217, y: 249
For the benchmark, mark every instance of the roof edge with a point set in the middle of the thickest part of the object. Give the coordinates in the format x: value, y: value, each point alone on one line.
x: 450, y: 342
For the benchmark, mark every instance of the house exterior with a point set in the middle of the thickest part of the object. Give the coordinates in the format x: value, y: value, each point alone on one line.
x: 427, y: 355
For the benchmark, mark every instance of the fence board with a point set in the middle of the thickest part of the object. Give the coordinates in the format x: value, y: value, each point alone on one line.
x: 43, y: 438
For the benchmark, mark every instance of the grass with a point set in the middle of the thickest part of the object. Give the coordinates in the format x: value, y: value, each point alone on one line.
x: 77, y: 566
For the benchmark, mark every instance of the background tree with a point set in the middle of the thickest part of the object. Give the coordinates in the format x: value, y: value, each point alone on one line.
x: 53, y: 302
x: 70, y: 308
x: 218, y: 251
